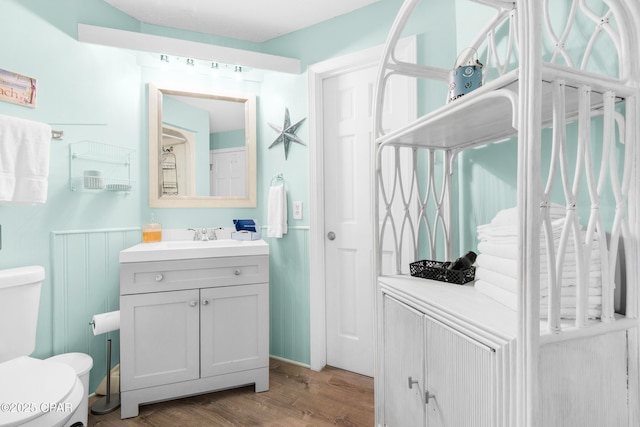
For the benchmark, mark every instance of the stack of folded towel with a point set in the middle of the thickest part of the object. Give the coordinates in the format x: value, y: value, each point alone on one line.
x: 496, y: 265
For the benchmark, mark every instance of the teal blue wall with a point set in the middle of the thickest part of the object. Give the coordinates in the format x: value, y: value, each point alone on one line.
x: 229, y: 139
x: 89, y: 92
x: 100, y: 94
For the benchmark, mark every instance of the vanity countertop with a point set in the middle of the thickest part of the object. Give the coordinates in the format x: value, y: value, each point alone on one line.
x: 168, y: 250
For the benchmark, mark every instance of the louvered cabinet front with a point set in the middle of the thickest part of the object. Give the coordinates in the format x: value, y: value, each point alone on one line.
x: 432, y: 374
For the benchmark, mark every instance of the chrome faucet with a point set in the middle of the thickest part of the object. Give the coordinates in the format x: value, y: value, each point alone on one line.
x: 205, y: 235
x: 212, y: 233
x: 196, y: 234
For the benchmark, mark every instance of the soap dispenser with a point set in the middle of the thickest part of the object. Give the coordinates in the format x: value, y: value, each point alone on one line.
x: 152, y: 232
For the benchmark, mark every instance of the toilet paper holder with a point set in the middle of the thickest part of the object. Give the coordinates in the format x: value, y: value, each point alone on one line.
x: 106, y: 322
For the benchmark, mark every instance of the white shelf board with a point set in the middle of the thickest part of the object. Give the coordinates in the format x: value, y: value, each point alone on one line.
x: 488, y: 114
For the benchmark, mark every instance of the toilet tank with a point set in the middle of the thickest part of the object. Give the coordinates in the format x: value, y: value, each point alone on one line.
x: 19, y: 303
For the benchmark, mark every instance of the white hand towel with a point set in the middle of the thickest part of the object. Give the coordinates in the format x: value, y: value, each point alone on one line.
x: 277, y: 212
x: 24, y: 161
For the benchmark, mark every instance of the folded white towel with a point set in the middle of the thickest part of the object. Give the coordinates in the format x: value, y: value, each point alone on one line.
x: 510, y: 216
x: 24, y: 161
x: 510, y: 300
x: 509, y: 267
x: 570, y: 313
x: 511, y: 283
x: 593, y: 301
x: 510, y: 250
x: 509, y: 232
x: 277, y: 212
x: 506, y: 266
x: 498, y: 250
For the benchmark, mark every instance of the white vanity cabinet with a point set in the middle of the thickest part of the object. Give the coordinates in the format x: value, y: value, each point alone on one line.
x: 192, y: 326
x: 436, y: 370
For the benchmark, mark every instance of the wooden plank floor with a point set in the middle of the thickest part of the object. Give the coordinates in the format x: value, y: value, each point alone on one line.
x: 297, y: 396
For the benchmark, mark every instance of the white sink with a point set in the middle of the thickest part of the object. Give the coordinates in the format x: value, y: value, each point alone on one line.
x: 190, y: 249
x: 198, y: 244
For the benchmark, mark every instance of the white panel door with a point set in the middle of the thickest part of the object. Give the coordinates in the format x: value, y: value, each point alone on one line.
x: 348, y: 151
x: 228, y: 172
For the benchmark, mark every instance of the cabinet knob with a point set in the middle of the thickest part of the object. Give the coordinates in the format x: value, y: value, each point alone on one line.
x: 237, y: 272
x: 205, y: 302
x: 159, y: 277
x: 193, y: 303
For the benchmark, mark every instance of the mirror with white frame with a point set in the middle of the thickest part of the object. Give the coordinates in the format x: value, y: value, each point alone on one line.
x: 202, y: 149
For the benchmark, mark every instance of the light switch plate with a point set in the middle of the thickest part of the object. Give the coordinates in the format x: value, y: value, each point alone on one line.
x: 297, y: 210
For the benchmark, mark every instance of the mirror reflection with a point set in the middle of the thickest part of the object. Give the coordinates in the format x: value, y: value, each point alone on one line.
x: 201, y: 149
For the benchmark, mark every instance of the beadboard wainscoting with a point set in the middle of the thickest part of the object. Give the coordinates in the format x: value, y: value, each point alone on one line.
x: 85, y: 281
x: 289, y: 295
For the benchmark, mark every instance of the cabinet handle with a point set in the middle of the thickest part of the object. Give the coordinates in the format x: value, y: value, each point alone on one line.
x: 427, y: 395
x: 412, y: 382
x: 205, y: 302
x: 193, y: 303
x: 159, y: 277
x: 237, y: 272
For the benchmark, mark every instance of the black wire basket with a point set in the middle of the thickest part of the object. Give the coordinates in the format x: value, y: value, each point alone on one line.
x: 437, y: 270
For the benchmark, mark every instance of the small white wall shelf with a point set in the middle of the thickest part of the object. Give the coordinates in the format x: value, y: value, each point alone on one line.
x: 96, y: 167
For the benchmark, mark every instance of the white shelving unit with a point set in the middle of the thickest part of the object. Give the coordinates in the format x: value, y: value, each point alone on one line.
x: 98, y: 167
x: 449, y: 355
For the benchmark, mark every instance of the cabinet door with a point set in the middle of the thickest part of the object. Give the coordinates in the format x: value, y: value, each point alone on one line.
x: 403, y: 346
x: 234, y: 328
x: 460, y: 374
x: 159, y: 336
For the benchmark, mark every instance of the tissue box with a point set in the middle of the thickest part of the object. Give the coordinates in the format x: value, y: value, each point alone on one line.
x: 246, y: 229
x: 246, y: 235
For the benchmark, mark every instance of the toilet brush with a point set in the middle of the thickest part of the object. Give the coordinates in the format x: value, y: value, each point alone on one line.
x: 110, y: 402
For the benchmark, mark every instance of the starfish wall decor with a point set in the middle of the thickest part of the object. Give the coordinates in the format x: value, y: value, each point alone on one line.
x: 287, y: 133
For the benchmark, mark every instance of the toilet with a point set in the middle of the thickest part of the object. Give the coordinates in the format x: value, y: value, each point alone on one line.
x: 34, y: 392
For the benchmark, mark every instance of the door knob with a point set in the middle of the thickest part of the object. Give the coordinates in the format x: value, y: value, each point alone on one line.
x: 331, y: 235
x: 205, y: 302
x: 193, y: 303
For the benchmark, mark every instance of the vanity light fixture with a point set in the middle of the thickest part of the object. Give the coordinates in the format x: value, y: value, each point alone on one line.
x: 164, y: 59
x: 215, y: 69
x: 238, y: 72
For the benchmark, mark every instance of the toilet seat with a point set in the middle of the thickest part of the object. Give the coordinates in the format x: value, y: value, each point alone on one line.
x: 35, y: 392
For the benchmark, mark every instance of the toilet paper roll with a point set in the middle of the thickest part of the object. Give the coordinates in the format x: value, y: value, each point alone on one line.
x: 105, y: 322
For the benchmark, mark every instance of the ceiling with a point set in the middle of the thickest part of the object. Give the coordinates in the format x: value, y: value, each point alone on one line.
x: 250, y: 20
